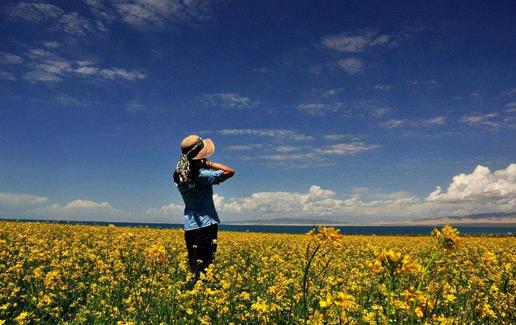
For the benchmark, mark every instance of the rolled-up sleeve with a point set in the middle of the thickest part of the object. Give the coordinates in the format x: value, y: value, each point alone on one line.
x: 210, y: 177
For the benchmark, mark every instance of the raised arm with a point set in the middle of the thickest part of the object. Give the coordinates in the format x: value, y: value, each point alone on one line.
x: 228, y: 171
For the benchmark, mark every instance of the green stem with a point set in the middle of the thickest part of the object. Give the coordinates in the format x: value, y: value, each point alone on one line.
x: 420, y: 284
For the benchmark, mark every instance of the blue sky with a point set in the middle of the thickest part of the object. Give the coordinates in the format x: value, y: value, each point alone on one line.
x: 347, y: 110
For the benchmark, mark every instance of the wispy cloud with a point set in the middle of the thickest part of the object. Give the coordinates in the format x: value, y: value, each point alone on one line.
x: 328, y: 93
x: 35, y: 12
x: 119, y: 73
x: 511, y: 107
x: 341, y: 149
x: 438, y: 120
x: 157, y: 14
x: 338, y: 137
x: 430, y: 83
x: 67, y: 100
x: 383, y: 87
x: 244, y: 147
x: 319, y: 108
x: 21, y: 199
x: 492, y: 121
x: 271, y: 133
x: 393, y: 123
x: 370, y: 107
x: 44, y: 65
x: 489, y: 120
x: 353, y: 42
x: 351, y: 65
x: 284, y: 148
x: 227, y: 100
x: 140, y: 14
x: 74, y: 24
x: 71, y: 23
x: 424, y: 122
x: 9, y: 58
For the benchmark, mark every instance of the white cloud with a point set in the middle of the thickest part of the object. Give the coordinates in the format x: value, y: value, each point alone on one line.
x: 227, y: 100
x: 337, y: 137
x: 59, y: 21
x: 379, y: 112
x: 21, y: 200
x: 351, y: 65
x: 168, y: 213
x: 87, y: 70
x: 9, y: 58
x: 119, y: 73
x: 344, y: 148
x: 481, y: 186
x: 159, y: 14
x: 41, y: 76
x: 319, y: 108
x: 67, y: 100
x: 370, y: 106
x: 393, y: 123
x: 479, y: 192
x: 79, y: 209
x: 43, y: 65
x: 243, y: 147
x: 51, y: 44
x: 330, y: 93
x: 310, y: 156
x: 287, y: 148
x: 141, y: 14
x: 273, y: 133
x: 428, y: 122
x: 35, y: 12
x: 489, y: 120
x: 355, y: 42
x: 438, y: 120
x: 74, y: 24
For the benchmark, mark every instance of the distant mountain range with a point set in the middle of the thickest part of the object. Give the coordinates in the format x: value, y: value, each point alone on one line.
x: 483, y: 219
x: 284, y: 222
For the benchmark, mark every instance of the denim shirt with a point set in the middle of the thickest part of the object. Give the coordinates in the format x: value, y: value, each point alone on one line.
x: 198, y: 198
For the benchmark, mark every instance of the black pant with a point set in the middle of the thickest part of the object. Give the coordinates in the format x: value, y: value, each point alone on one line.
x: 201, y: 247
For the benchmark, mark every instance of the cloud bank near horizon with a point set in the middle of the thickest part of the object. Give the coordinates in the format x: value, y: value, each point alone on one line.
x: 480, y: 191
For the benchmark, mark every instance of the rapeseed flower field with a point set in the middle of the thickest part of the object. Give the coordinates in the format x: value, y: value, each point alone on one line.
x: 77, y: 274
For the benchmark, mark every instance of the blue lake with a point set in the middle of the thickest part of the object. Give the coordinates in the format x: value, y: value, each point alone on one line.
x: 354, y: 230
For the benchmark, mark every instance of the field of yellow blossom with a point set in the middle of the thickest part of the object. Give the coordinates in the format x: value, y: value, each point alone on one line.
x: 76, y: 274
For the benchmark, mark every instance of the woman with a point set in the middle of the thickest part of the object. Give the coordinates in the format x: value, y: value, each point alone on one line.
x: 194, y: 176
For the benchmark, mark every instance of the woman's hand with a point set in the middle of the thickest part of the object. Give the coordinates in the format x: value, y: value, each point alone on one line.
x: 228, y: 171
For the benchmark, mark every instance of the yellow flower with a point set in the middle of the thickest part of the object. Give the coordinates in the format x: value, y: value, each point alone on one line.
x: 447, y: 237
x: 450, y: 297
x: 22, y: 317
x: 325, y: 303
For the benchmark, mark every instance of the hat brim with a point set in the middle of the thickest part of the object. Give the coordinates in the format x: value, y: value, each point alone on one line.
x: 206, y: 151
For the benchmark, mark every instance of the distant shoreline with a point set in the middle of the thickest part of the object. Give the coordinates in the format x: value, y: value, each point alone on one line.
x: 423, y: 223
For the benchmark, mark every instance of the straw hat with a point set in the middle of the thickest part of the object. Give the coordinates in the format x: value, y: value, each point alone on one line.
x: 196, y: 147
